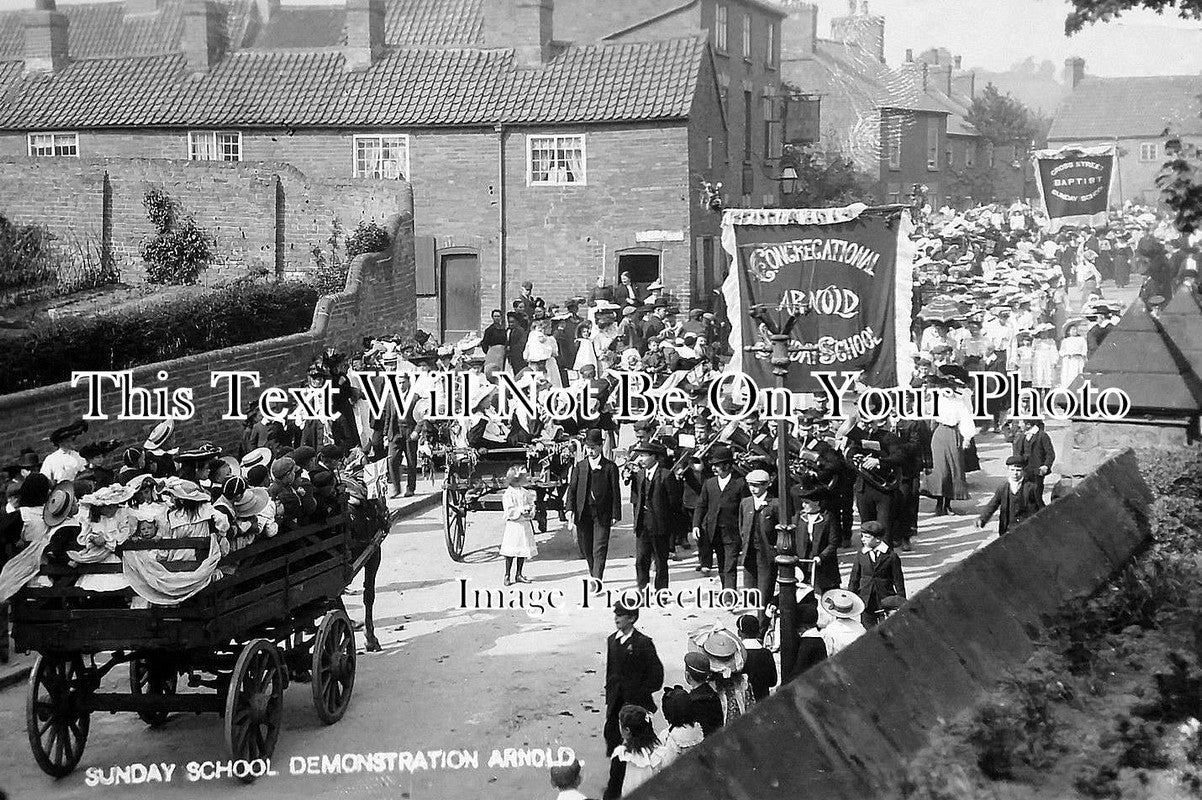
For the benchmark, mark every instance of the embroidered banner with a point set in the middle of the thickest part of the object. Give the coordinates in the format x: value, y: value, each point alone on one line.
x: 1074, y: 184
x: 847, y: 271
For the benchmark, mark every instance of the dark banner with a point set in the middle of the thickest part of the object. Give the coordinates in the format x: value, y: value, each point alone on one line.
x: 1075, y: 184
x: 838, y: 269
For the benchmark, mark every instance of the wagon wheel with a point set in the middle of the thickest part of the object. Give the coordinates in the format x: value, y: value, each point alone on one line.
x: 151, y: 678
x: 333, y: 666
x: 254, y: 702
x: 57, y: 726
x: 454, y: 502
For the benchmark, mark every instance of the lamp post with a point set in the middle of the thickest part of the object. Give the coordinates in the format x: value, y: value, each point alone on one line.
x: 780, y: 328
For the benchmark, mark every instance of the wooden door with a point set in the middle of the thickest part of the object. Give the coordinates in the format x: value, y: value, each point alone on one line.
x: 460, y: 295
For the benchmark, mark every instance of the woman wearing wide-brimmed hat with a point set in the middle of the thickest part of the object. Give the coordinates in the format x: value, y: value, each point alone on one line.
x: 843, y: 609
x: 727, y: 656
x: 65, y: 462
x: 192, y: 515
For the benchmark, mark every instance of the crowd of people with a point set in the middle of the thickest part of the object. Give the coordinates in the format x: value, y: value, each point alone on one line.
x: 992, y: 293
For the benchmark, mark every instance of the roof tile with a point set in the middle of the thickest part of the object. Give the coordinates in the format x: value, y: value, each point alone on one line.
x: 1110, y: 108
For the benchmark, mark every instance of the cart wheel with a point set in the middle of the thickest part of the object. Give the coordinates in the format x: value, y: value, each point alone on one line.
x: 333, y: 666
x: 57, y: 726
x: 455, y: 521
x: 254, y: 703
x: 150, y: 678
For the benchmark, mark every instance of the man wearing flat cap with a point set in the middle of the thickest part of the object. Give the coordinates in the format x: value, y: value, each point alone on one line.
x: 876, y: 572
x: 1015, y: 500
x: 651, y: 493
x: 758, y: 516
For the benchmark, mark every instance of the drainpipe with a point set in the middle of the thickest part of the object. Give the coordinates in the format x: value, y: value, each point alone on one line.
x: 500, y: 129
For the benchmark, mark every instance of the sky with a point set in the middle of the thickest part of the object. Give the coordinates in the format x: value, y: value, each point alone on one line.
x: 994, y: 34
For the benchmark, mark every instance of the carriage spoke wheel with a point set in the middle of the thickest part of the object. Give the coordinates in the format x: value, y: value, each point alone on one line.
x: 333, y: 666
x: 254, y: 703
x: 57, y: 726
x: 152, y: 678
x: 455, y: 517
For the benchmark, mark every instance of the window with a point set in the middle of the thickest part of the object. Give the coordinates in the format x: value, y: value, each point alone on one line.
x: 709, y: 152
x: 1149, y: 151
x: 893, y: 193
x: 384, y: 156
x: 990, y: 154
x: 932, y: 143
x: 555, y: 160
x: 720, y: 28
x: 747, y: 37
x: 54, y: 144
x: 949, y: 156
x: 970, y: 155
x: 894, y: 143
x: 770, y: 55
x: 772, y: 139
x: 214, y: 146
x: 747, y: 100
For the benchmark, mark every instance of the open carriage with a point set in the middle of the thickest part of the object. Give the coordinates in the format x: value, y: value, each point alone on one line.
x: 275, y: 614
x: 475, y: 481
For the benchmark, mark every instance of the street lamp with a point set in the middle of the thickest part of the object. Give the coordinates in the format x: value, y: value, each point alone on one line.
x: 788, y: 180
x: 779, y: 324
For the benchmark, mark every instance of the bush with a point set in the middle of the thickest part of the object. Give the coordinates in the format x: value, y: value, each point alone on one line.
x: 180, y: 249
x: 236, y: 313
x: 33, y: 267
x: 367, y: 238
x: 330, y: 268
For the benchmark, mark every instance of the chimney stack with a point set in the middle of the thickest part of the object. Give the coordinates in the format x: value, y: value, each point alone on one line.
x: 925, y: 69
x: 202, y: 37
x: 141, y: 7
x: 799, y: 33
x: 864, y: 31
x: 1074, y: 71
x: 364, y: 33
x: 267, y: 9
x: 45, y: 38
x: 909, y: 55
x: 956, y: 62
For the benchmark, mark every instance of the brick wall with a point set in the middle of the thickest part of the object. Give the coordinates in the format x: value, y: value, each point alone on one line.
x: 260, y: 215
x: 379, y: 294
x: 913, y: 166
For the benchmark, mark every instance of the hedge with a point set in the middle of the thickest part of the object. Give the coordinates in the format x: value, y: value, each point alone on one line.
x: 237, y: 313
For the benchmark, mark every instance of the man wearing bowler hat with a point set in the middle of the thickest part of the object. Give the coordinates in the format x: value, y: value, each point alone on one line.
x: 758, y: 515
x: 716, y: 517
x: 594, y: 502
x: 651, y: 493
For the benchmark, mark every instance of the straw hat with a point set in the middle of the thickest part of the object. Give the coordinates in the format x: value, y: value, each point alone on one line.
x: 252, y: 501
x: 726, y: 653
x: 58, y: 507
x: 842, y: 604
x: 158, y: 438
x: 260, y: 456
x: 185, y: 490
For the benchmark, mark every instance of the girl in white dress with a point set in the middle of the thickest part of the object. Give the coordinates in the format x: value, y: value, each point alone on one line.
x: 1073, y: 350
x: 639, y: 749
x: 105, y: 524
x: 517, y: 540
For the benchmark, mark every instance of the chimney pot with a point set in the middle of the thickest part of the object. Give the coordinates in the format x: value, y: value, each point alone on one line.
x: 201, y: 41
x: 1074, y: 71
x: 46, y: 38
x: 909, y: 55
x: 364, y: 33
x: 956, y: 62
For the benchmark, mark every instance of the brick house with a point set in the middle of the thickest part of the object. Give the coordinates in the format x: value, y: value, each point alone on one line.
x: 530, y: 157
x: 1137, y: 115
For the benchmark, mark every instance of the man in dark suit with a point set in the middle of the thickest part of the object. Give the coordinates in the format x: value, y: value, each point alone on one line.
x: 880, y: 454
x: 760, y: 667
x: 914, y: 439
x: 817, y: 537
x: 633, y: 673
x: 1036, y: 450
x: 876, y: 572
x: 1014, y: 500
x: 716, y: 516
x: 515, y: 342
x: 758, y: 515
x: 594, y: 502
x: 651, y: 493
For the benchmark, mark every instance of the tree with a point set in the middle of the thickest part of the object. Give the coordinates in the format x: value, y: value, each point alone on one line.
x: 825, y: 180
x: 1001, y: 119
x: 1087, y: 12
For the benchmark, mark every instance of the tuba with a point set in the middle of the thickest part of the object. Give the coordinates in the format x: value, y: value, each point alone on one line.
x: 881, y: 478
